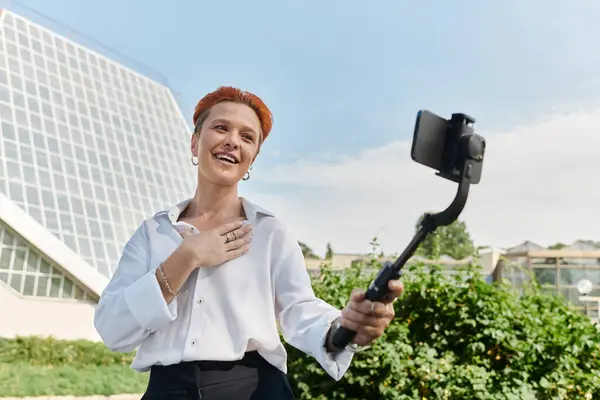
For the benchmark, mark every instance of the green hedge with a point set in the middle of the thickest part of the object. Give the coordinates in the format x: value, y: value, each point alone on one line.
x: 53, y: 352
x: 458, y: 337
x: 34, y: 366
x: 24, y: 380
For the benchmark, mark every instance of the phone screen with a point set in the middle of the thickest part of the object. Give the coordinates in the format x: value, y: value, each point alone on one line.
x: 429, y: 139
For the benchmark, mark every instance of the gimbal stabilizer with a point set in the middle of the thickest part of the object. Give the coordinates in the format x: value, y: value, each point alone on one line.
x: 457, y: 153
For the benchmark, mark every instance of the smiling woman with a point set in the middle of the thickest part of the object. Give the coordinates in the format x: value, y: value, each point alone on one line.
x: 201, y: 287
x: 230, y: 137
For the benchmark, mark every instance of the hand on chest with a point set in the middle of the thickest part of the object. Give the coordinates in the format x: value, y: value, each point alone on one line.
x: 239, y: 273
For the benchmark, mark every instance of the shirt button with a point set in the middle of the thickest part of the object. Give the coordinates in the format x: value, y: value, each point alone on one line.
x: 199, y: 301
x: 193, y: 342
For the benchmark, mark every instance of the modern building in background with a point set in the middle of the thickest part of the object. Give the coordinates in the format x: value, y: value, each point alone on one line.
x: 88, y: 149
x: 572, y: 271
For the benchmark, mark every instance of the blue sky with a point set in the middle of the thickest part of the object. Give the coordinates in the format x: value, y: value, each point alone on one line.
x: 342, y: 77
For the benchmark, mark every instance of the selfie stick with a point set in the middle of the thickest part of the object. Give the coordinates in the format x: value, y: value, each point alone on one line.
x: 461, y: 156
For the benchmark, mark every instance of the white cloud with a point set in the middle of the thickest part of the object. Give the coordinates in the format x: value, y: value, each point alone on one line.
x: 540, y: 182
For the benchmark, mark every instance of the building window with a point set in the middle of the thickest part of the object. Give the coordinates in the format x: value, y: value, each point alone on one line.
x: 28, y: 273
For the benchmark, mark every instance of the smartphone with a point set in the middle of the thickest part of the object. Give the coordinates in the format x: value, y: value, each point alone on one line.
x: 440, y: 144
x: 429, y: 140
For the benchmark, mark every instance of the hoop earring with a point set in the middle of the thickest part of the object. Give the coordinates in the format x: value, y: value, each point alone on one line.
x: 247, y: 176
x: 194, y: 163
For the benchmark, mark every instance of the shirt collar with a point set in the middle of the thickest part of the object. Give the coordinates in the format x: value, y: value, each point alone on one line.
x: 250, y: 209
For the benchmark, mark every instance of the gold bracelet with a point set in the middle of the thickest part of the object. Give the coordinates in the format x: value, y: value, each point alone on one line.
x: 164, y: 278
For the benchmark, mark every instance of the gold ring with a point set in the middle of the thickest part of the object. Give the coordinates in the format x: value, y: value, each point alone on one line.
x: 227, y: 236
x: 372, y: 308
x: 234, y: 235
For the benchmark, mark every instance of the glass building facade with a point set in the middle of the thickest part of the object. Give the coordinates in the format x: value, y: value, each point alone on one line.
x: 88, y: 148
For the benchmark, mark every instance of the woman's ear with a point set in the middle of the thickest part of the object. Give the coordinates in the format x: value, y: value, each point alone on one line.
x: 194, y: 144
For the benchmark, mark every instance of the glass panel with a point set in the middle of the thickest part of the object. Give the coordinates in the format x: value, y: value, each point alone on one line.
x: 571, y: 276
x: 13, y: 169
x: 19, y: 99
x: 99, y: 249
x: 48, y: 199
x: 10, y: 149
x: 108, y: 231
x: 86, y: 247
x: 9, y: 239
x: 8, y: 131
x: 42, y: 161
x: 74, y: 187
x: 15, y: 281
x: 55, y: 287
x: 51, y: 221
x: 42, y: 286
x: 4, y: 94
x: 5, y: 112
x: 32, y: 262
x: 593, y: 275
x: 29, y: 285
x: 94, y: 228
x: 5, y: 258
x: 81, y: 225
x: 19, y: 261
x: 44, y: 267
x: 59, y: 182
x: 67, y: 289
x: 77, y: 205
x: 27, y: 157
x: 34, y: 105
x: 66, y: 222
x: 16, y: 192
x: 36, y: 213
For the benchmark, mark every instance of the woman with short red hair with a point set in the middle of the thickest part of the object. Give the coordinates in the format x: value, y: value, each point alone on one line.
x: 201, y: 287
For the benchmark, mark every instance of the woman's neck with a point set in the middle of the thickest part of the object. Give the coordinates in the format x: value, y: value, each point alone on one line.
x: 214, y: 204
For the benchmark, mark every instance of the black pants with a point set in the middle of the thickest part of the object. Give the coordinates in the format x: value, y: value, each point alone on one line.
x: 251, y: 378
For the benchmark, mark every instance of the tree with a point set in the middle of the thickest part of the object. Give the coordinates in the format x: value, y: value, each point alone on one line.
x: 453, y: 240
x: 557, y: 246
x: 307, y: 251
x: 460, y: 338
x: 329, y: 252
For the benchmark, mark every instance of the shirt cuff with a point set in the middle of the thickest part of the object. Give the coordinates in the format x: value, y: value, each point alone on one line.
x: 335, y: 364
x: 147, y: 304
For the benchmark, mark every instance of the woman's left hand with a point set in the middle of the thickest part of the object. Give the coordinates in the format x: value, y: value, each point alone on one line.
x: 369, y: 319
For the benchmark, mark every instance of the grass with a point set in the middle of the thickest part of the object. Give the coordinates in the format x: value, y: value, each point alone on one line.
x: 23, y: 379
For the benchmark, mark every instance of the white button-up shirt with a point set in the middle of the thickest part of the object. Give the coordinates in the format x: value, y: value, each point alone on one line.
x: 221, y: 312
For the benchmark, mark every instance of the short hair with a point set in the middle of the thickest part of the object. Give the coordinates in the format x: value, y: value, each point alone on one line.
x: 228, y: 93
